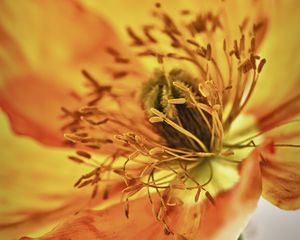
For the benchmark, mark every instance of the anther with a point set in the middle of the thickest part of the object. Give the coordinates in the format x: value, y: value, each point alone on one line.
x: 84, y: 154
x: 210, y: 198
x: 75, y: 159
x: 261, y: 65
x: 181, y: 86
x: 136, y: 40
x: 112, y: 52
x: 192, y: 42
x: 177, y: 101
x: 95, y: 191
x: 156, y: 150
x: 155, y: 119
x: 208, y: 52
x: 158, y: 4
x: 120, y: 74
x: 203, y: 90
x: 217, y: 107
x: 197, y: 195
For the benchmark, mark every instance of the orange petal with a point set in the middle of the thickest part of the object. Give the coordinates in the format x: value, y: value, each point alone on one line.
x: 281, y: 170
x: 110, y: 223
x: 37, y: 185
x: 204, y: 221
x: 44, y: 46
x: 282, y: 113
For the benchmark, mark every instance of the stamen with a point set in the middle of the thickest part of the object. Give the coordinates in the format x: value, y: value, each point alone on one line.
x: 177, y: 101
x: 136, y: 40
x: 76, y: 159
x: 261, y: 64
x: 186, y: 115
x: 156, y: 119
x: 178, y: 128
x: 84, y: 154
x: 210, y: 198
x: 156, y: 150
x: 147, y: 31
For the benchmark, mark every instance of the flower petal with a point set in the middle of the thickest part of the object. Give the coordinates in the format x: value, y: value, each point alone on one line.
x: 282, y: 113
x: 225, y: 220
x: 281, y: 170
x: 144, y: 13
x: 98, y: 224
x: 233, y: 208
x: 281, y: 179
x: 281, y: 74
x: 277, y: 119
x: 37, y: 185
x: 44, y: 46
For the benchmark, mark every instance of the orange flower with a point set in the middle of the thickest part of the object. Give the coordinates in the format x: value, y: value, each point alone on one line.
x: 189, y: 151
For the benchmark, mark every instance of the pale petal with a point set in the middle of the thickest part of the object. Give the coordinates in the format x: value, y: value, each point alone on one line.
x: 281, y: 170
x: 281, y: 179
x: 276, y: 101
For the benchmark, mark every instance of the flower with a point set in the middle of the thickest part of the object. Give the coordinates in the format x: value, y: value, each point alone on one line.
x: 204, y: 186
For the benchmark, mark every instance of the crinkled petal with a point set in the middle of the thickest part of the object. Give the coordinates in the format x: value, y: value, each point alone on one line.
x: 281, y: 179
x: 204, y: 221
x: 44, y: 46
x: 37, y: 185
x: 276, y: 101
x: 281, y: 170
x: 281, y: 76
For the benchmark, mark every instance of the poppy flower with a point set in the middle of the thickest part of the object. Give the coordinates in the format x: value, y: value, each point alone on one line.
x: 180, y: 124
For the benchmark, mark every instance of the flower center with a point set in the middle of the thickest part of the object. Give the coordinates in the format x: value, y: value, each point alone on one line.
x: 190, y: 109
x: 176, y: 107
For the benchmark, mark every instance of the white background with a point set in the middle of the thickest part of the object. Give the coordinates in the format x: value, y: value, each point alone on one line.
x: 271, y: 223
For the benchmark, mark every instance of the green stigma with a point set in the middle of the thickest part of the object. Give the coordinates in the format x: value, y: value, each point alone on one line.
x: 172, y: 102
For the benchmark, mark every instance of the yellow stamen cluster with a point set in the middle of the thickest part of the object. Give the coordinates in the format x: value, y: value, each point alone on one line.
x: 187, y: 116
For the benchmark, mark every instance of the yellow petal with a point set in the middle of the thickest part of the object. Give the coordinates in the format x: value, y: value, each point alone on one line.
x: 36, y: 184
x: 280, y: 78
x: 204, y: 221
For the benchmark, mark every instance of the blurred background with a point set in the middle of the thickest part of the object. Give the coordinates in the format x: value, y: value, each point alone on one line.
x: 271, y: 223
